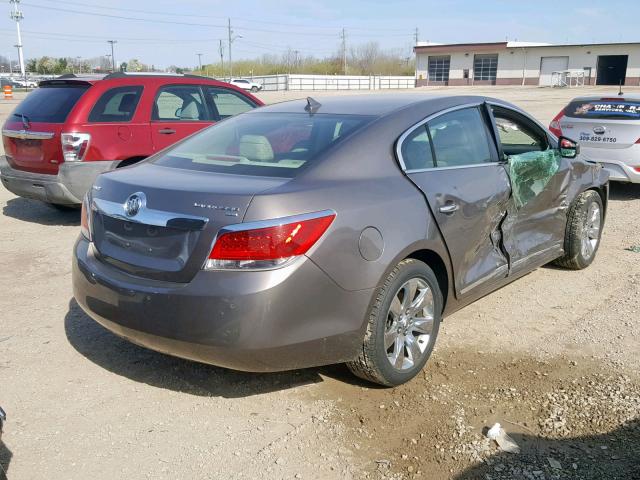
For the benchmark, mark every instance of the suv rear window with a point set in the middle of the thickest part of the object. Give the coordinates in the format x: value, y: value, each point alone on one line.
x: 50, y: 104
x: 262, y: 144
x: 116, y: 105
x: 604, y: 109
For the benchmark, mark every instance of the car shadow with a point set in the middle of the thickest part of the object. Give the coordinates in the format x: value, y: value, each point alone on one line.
x: 624, y: 191
x: 614, y: 455
x: 39, y: 212
x: 5, y: 460
x: 140, y: 364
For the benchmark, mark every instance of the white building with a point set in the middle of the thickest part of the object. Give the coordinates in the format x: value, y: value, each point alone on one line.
x: 522, y: 63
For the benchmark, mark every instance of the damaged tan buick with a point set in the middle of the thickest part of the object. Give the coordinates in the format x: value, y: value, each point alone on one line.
x: 339, y: 230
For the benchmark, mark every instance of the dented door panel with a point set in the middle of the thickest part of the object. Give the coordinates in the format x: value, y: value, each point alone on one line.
x: 473, y: 231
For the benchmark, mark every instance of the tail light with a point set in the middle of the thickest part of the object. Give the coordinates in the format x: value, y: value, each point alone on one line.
x: 75, y: 146
x: 638, y: 141
x: 554, y: 126
x: 85, y: 219
x: 267, y: 244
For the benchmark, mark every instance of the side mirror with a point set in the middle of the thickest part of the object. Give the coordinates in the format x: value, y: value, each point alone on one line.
x: 568, y: 148
x: 178, y: 112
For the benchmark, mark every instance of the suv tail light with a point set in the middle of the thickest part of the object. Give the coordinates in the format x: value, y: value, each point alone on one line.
x: 75, y: 146
x: 267, y: 244
x: 638, y: 141
x: 554, y: 126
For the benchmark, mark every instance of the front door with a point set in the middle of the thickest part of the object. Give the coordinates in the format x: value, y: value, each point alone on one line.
x: 178, y: 111
x: 455, y: 164
x: 539, y: 180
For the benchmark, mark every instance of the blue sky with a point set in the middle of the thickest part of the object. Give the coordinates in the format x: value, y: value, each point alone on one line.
x: 311, y: 26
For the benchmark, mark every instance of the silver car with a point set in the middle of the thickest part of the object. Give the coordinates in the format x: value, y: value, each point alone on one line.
x: 608, y: 130
x: 341, y: 230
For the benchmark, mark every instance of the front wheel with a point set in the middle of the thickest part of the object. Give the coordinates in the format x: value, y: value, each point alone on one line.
x: 254, y: 89
x: 584, y: 230
x: 402, y: 326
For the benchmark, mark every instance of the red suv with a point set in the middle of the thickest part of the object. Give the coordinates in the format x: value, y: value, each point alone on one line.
x: 65, y: 133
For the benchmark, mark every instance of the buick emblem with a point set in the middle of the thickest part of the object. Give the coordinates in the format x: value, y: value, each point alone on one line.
x: 599, y: 130
x: 134, y: 204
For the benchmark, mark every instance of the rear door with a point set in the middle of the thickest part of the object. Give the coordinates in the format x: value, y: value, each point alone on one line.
x: 453, y: 161
x: 31, y: 134
x: 606, y: 123
x: 177, y: 112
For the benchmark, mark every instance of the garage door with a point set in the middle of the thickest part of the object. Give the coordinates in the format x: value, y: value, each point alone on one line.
x: 548, y: 65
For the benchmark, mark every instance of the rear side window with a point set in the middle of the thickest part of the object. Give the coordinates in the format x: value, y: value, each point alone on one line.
x: 50, y: 104
x: 460, y: 138
x: 416, y: 150
x: 262, y: 144
x: 180, y: 103
x: 226, y: 103
x: 604, y: 109
x: 116, y: 105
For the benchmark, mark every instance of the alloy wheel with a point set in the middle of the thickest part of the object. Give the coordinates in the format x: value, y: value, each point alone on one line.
x: 409, y: 324
x: 591, y: 231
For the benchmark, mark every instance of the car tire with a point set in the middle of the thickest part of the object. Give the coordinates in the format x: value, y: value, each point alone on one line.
x: 392, y: 328
x: 254, y: 89
x: 584, y: 230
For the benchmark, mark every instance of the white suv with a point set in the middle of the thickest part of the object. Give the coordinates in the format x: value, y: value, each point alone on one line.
x: 608, y: 130
x: 246, y: 84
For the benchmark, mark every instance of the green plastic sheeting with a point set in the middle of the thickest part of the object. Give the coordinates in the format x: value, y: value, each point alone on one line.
x: 530, y: 173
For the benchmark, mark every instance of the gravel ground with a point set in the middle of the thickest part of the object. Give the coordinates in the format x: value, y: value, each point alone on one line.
x: 553, y: 357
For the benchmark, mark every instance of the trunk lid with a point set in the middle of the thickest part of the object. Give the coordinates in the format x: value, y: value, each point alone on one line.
x: 31, y: 134
x: 606, y: 123
x: 171, y: 236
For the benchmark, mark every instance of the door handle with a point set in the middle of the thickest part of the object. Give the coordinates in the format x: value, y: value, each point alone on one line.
x: 167, y: 131
x: 450, y: 207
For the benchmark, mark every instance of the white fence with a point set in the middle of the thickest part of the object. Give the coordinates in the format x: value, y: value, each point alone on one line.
x: 333, y: 82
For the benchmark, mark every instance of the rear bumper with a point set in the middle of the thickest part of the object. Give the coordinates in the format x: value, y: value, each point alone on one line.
x: 294, y: 317
x: 68, y: 187
x: 620, y: 163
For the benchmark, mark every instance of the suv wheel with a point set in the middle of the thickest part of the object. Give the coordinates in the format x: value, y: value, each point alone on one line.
x: 254, y: 89
x: 403, y: 326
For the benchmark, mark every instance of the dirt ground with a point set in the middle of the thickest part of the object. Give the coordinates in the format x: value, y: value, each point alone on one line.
x: 553, y: 358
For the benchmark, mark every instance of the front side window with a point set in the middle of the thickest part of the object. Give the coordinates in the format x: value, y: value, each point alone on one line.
x: 460, y: 138
x: 180, y: 103
x: 531, y: 162
x: 116, y: 105
x: 262, y: 144
x: 227, y: 103
x: 517, y: 136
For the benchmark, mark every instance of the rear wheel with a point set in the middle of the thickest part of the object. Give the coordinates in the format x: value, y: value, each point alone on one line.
x: 254, y: 89
x: 584, y: 229
x: 403, y: 326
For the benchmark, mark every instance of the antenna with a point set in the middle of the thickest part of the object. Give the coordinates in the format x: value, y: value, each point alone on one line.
x: 312, y: 105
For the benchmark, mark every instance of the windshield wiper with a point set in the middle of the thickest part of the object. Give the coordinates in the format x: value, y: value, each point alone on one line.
x: 26, y: 123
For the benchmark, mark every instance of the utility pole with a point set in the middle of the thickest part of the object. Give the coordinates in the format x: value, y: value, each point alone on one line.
x: 416, y: 36
x: 343, y: 35
x: 200, y: 61
x: 221, y: 50
x: 17, y: 16
x: 113, y: 57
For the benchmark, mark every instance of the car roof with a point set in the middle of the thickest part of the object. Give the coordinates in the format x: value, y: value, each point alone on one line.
x: 377, y: 104
x: 588, y: 98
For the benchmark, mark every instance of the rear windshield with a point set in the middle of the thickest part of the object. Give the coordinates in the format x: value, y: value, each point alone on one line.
x: 604, y: 109
x: 262, y: 144
x: 50, y: 104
